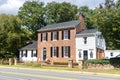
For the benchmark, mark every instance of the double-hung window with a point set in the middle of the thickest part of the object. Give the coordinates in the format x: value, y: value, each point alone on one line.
x: 54, y: 52
x: 66, y: 34
x: 34, y: 53
x: 54, y: 35
x: 85, y: 40
x: 91, y: 54
x: 24, y: 53
x: 43, y: 36
x: 66, y: 51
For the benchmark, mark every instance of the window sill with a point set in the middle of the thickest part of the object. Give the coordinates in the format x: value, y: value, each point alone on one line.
x: 54, y: 40
x: 43, y: 41
x: 66, y: 39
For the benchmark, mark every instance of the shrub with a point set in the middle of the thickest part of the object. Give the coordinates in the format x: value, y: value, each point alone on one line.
x: 63, y: 63
x: 115, y: 62
x: 98, y: 61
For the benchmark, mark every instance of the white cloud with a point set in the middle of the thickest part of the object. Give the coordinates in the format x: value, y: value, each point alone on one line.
x: 12, y: 6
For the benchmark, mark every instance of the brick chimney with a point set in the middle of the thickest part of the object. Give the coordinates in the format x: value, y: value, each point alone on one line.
x: 82, y: 25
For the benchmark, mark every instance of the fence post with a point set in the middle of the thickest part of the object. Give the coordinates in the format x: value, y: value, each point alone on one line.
x: 80, y: 64
x: 10, y: 61
x: 15, y: 61
x: 70, y: 63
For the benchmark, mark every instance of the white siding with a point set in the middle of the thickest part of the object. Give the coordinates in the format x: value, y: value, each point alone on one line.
x: 89, y: 46
x: 29, y: 57
x: 108, y: 53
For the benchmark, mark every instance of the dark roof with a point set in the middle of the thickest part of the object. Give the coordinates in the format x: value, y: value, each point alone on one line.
x: 88, y: 31
x: 31, y: 46
x: 62, y: 25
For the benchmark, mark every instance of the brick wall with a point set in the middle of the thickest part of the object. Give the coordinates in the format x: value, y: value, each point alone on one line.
x: 100, y: 54
x: 59, y: 43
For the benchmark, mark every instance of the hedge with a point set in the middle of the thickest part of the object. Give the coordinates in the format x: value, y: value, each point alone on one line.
x: 98, y: 61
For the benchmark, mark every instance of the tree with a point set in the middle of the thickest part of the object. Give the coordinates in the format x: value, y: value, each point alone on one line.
x: 32, y: 16
x: 87, y: 16
x: 12, y: 36
x: 107, y: 21
x: 60, y: 12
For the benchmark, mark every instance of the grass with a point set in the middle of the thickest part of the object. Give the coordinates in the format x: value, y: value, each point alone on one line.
x: 38, y: 66
x: 108, y: 71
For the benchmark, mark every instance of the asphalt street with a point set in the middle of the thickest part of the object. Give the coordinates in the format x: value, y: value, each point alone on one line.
x: 36, y: 74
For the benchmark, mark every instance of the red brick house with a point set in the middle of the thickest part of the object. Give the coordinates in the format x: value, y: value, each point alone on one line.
x: 56, y: 42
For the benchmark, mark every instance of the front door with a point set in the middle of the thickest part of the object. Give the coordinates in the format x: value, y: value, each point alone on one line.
x: 44, y: 54
x: 85, y: 55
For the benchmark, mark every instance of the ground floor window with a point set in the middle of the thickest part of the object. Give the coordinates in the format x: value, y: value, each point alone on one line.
x: 79, y: 54
x: 66, y: 51
x: 54, y: 51
x: 33, y: 53
x: 91, y: 54
x: 24, y: 53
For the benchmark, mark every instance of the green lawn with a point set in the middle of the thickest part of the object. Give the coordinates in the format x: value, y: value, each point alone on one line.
x: 37, y: 66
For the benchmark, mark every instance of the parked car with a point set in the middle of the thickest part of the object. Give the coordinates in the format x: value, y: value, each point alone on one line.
x: 118, y: 56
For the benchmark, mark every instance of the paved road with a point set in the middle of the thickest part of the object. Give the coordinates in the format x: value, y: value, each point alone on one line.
x: 28, y: 74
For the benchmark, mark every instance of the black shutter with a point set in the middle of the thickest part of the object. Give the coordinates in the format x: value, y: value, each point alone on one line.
x: 41, y: 36
x: 62, y: 51
x: 26, y: 53
x: 51, y: 36
x: 51, y: 51
x: 57, y: 51
x: 68, y: 51
x: 62, y: 35
x: 68, y: 34
x: 36, y: 53
x: 57, y: 35
x: 31, y: 53
x: 46, y: 36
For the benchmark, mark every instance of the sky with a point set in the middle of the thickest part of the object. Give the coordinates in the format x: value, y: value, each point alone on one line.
x: 12, y: 6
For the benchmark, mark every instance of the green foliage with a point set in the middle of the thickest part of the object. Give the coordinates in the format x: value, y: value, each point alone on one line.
x: 60, y: 12
x: 115, y: 61
x: 32, y: 16
x: 98, y: 61
x: 87, y: 16
x: 106, y: 19
x: 12, y: 37
x: 63, y: 63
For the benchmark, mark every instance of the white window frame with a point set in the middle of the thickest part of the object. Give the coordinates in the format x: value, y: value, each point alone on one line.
x: 66, y: 34
x: 54, y: 52
x: 55, y: 35
x: 65, y: 51
x: 44, y: 36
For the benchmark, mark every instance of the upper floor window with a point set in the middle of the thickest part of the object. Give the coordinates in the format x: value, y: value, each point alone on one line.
x: 66, y: 51
x: 54, y: 35
x: 43, y: 36
x: 111, y: 54
x: 66, y: 34
x: 54, y: 51
x: 85, y: 40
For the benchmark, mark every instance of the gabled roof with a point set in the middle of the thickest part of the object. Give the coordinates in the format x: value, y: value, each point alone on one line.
x: 31, y: 46
x: 63, y: 25
x: 88, y: 31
